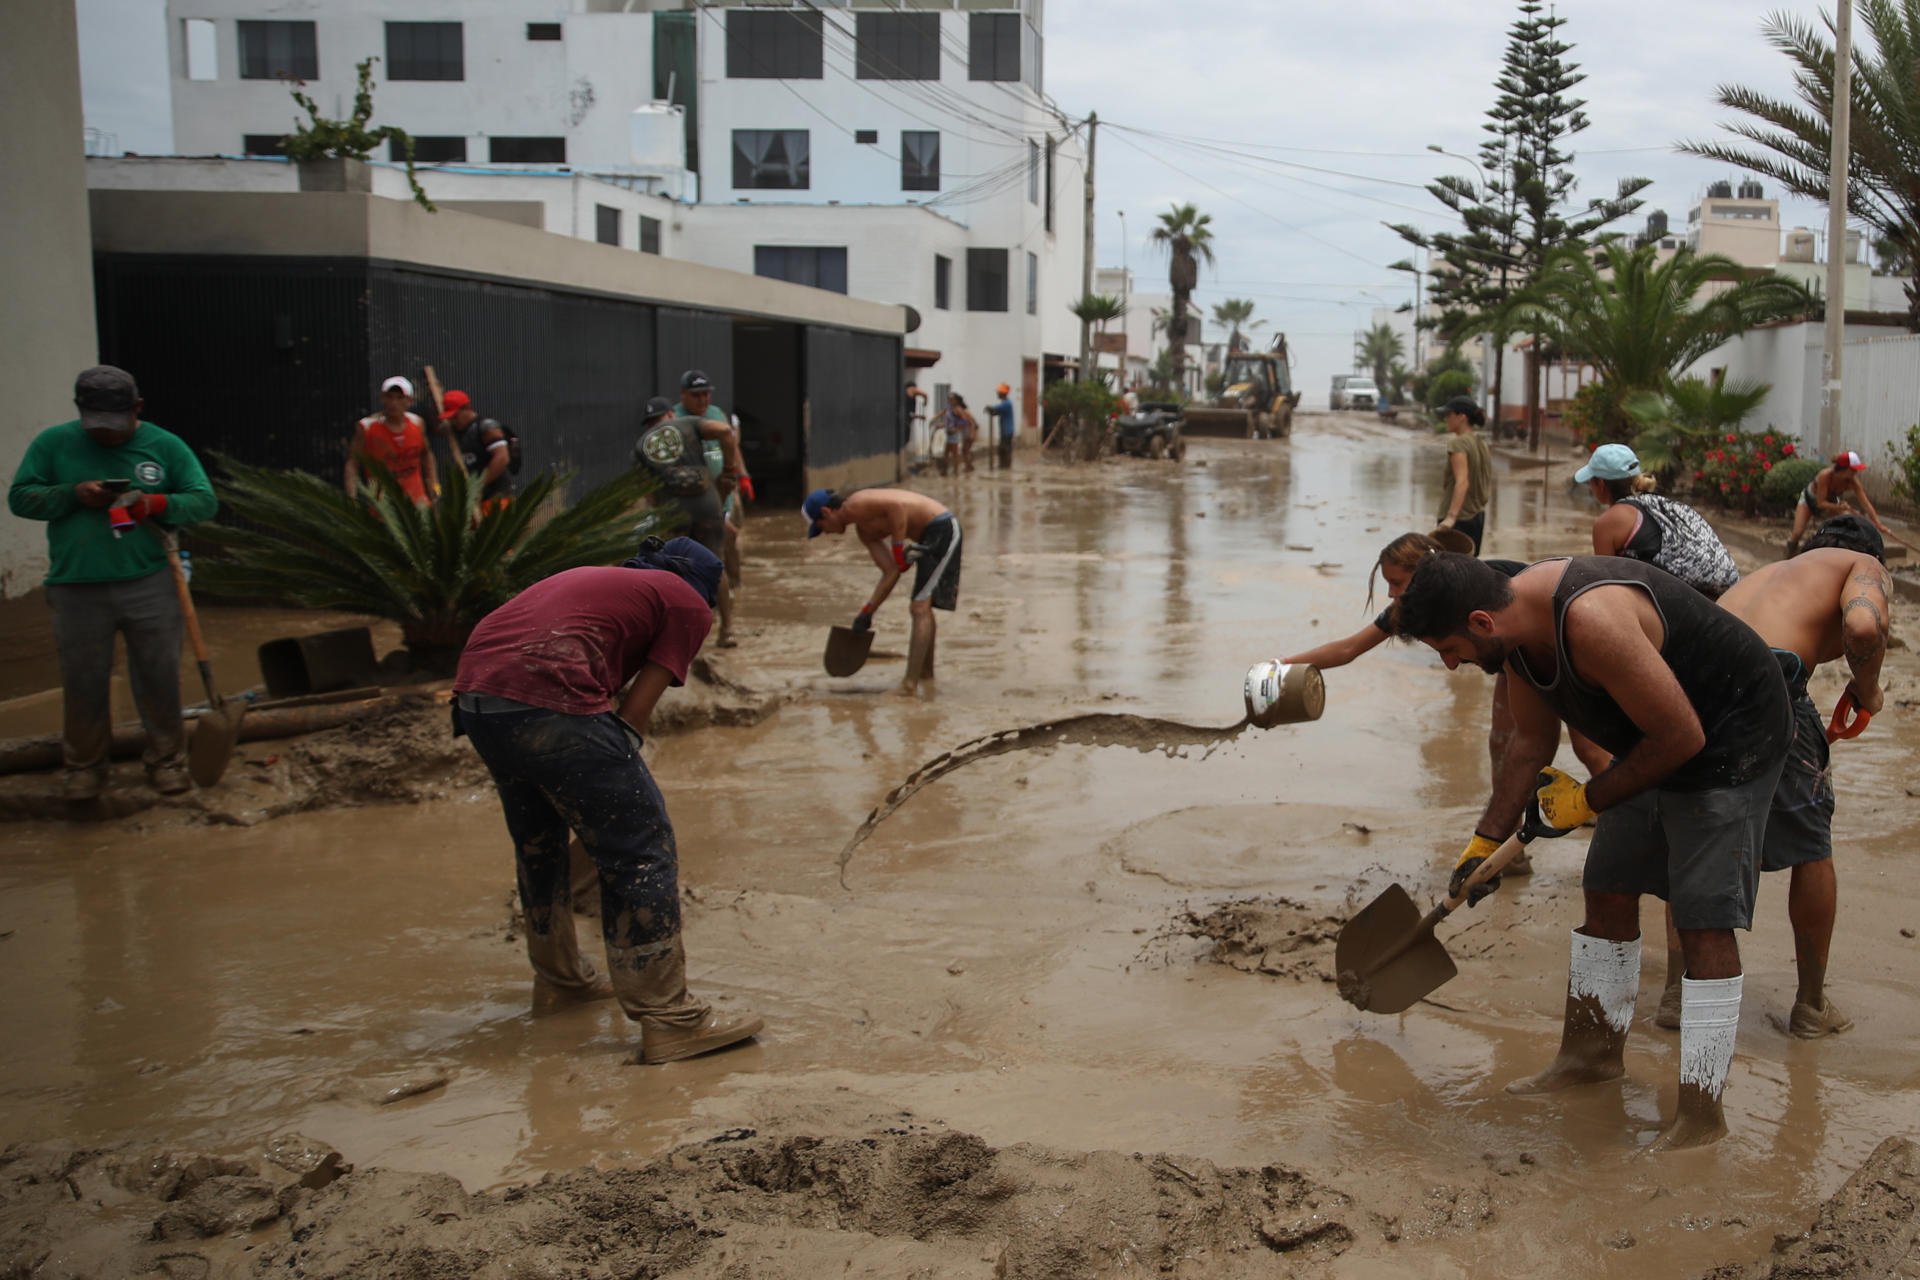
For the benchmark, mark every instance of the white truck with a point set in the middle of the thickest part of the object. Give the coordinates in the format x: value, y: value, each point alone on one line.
x: 1353, y: 391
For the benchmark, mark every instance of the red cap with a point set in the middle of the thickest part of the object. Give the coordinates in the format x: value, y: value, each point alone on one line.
x: 452, y: 403
x: 1848, y: 460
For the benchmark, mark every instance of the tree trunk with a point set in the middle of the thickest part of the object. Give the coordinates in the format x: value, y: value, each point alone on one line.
x: 1499, y: 372
x: 1532, y: 366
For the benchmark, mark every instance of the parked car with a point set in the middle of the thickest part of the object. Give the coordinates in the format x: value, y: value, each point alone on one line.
x: 1353, y: 391
x: 1151, y: 431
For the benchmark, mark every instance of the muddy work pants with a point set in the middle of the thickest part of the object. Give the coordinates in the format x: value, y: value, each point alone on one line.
x: 86, y: 618
x: 556, y: 773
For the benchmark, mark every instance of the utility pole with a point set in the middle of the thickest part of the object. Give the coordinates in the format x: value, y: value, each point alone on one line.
x: 1837, y: 228
x: 1086, y: 253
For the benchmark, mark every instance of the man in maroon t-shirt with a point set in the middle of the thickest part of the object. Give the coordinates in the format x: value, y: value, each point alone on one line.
x: 539, y: 692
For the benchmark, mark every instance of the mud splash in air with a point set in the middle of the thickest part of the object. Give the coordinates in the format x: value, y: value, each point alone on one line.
x: 1099, y: 729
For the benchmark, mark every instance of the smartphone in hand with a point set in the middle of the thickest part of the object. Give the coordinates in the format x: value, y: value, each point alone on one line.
x: 116, y: 486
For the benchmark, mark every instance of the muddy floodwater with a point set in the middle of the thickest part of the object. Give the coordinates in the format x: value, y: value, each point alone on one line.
x: 1058, y: 978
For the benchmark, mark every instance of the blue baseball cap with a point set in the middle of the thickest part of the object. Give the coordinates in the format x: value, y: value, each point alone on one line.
x: 1609, y: 462
x: 817, y: 501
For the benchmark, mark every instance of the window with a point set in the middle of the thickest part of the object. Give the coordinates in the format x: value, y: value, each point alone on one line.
x: 649, y: 234
x: 1049, y: 181
x: 823, y: 268
x: 527, y: 150
x: 264, y: 144
x: 269, y: 50
x: 866, y: 137
x: 993, y: 46
x: 1033, y: 172
x: 543, y: 31
x: 1033, y: 285
x: 942, y: 282
x: 606, y: 224
x: 425, y: 51
x: 919, y: 160
x: 986, y: 279
x: 897, y: 46
x: 772, y: 45
x: 770, y: 159
x: 431, y: 150
x: 203, y: 60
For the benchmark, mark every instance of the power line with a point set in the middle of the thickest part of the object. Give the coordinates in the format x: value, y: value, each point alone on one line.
x: 1290, y: 164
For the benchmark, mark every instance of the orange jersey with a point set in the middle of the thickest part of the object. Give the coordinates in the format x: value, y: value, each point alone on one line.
x: 400, y: 452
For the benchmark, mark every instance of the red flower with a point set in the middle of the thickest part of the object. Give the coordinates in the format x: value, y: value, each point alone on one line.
x: 1745, y: 488
x: 1769, y: 439
x: 1766, y: 466
x: 1786, y: 448
x: 1729, y: 439
x: 1699, y: 475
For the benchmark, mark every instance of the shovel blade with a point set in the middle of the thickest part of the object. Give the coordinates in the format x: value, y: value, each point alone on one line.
x: 1372, y: 936
x: 211, y: 746
x: 847, y: 650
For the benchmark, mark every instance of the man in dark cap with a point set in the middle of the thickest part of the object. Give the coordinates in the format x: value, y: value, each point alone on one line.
x: 673, y: 449
x: 95, y: 480
x: 555, y: 688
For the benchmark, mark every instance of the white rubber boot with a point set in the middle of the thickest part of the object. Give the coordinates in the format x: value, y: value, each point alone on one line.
x: 1603, y: 979
x: 1709, y: 1025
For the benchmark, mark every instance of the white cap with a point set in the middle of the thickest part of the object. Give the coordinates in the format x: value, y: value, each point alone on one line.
x: 397, y: 383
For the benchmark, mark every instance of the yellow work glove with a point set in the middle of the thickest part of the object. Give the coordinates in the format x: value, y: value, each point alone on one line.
x: 1563, y: 800
x: 1478, y: 850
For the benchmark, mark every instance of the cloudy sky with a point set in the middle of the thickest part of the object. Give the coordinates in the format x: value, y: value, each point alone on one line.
x: 1357, y: 87
x: 1363, y: 87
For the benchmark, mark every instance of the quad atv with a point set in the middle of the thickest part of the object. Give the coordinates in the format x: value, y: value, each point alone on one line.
x: 1153, y: 431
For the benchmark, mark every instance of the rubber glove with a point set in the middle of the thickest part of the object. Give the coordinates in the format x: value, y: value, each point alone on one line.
x: 1478, y: 850
x: 746, y: 487
x: 131, y: 512
x: 900, y: 556
x: 863, y: 621
x: 1563, y: 800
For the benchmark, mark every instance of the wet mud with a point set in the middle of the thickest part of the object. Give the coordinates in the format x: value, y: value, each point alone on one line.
x: 1096, y: 729
x: 1046, y: 967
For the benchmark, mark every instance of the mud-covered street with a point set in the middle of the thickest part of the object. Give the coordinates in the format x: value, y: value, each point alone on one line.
x: 1071, y: 1012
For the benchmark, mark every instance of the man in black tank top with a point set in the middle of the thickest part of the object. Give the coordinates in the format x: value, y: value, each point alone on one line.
x: 1694, y: 708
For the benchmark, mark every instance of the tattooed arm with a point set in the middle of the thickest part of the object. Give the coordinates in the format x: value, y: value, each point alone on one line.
x: 1864, y: 624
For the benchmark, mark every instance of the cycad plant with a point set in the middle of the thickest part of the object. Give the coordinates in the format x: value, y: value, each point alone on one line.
x: 1676, y: 426
x: 436, y: 570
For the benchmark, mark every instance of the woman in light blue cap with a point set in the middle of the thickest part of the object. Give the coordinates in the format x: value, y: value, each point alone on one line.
x: 1658, y: 531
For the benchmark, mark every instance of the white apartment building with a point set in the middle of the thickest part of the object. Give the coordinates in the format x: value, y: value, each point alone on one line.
x: 900, y: 151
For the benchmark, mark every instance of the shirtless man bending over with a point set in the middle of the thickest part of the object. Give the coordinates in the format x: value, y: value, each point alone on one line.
x: 901, y: 529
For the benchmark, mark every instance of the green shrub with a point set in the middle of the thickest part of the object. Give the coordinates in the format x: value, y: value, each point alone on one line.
x: 1905, y: 465
x: 1596, y: 416
x: 1445, y: 386
x: 1782, y: 485
x: 1735, y: 470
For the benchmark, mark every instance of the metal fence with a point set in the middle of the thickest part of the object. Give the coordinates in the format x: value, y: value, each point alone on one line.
x: 1879, y: 401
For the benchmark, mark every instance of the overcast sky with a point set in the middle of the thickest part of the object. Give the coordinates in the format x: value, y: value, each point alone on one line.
x: 1357, y: 86
x: 1385, y: 78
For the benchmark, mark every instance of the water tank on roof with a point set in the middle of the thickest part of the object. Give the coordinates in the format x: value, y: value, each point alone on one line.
x: 1800, y: 246
x: 658, y: 136
x: 1750, y: 190
x: 1656, y: 224
x: 1720, y: 191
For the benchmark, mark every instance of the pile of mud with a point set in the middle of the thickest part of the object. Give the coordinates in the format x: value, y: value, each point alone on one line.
x: 1870, y: 1228
x: 1275, y: 936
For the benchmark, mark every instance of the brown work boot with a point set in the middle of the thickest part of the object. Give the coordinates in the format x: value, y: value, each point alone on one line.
x: 673, y: 1025
x: 551, y: 998
x: 169, y: 779
x: 82, y: 784
x: 1811, y: 1022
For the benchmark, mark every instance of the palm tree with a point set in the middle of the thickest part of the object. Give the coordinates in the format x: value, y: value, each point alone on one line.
x: 1792, y: 141
x: 1185, y: 234
x: 1640, y: 321
x: 1378, y: 349
x: 438, y: 570
x: 1097, y: 309
x: 1231, y: 315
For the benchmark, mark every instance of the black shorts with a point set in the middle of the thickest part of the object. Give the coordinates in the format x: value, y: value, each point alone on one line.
x: 1700, y: 850
x: 937, y: 575
x: 1800, y: 823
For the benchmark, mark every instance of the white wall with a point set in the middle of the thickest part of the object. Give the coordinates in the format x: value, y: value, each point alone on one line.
x: 46, y: 265
x: 582, y: 87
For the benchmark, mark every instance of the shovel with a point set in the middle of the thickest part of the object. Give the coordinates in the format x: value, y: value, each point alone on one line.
x: 215, y: 732
x: 847, y: 650
x: 1387, y: 957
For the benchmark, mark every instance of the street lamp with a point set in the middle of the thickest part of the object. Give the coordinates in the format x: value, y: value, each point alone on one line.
x: 1442, y: 151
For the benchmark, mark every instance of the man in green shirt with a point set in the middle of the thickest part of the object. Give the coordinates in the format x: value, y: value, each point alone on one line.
x: 95, y: 481
x: 696, y: 401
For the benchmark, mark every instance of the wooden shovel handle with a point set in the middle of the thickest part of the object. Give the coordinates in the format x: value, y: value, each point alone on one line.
x: 1495, y: 863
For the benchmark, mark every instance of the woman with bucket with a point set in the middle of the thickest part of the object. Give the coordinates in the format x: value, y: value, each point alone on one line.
x: 1828, y: 494
x: 1654, y: 530
x: 1466, y: 486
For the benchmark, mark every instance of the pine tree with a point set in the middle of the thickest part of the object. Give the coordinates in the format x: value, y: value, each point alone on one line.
x: 1520, y: 210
